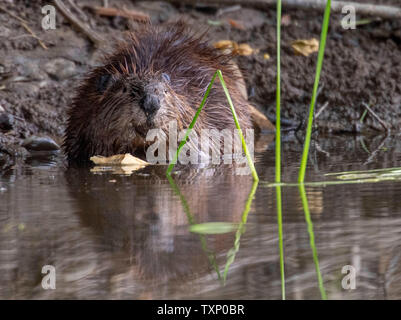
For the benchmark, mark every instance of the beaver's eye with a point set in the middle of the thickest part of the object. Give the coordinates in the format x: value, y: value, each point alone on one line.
x: 103, y: 82
x: 166, y: 77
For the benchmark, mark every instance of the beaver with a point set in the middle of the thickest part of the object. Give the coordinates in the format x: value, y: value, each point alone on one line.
x: 158, y: 74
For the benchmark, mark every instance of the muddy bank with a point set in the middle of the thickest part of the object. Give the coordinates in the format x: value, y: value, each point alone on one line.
x: 361, y: 66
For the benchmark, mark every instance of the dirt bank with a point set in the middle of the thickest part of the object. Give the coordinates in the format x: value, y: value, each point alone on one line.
x: 361, y: 65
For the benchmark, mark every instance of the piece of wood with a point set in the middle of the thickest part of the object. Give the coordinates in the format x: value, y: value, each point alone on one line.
x: 114, y: 12
x: 24, y: 23
x: 93, y: 36
x: 385, y: 12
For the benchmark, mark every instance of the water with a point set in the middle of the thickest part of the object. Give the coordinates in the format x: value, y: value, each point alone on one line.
x: 115, y: 236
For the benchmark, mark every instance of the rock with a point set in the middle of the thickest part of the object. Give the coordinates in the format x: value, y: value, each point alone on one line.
x: 60, y: 69
x: 35, y: 143
x: 6, y: 121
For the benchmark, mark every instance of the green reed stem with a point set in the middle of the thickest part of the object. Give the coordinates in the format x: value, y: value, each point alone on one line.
x: 244, y: 147
x: 312, y: 240
x: 278, y: 95
x: 191, y: 220
x: 248, y: 156
x: 319, y: 65
x: 280, y: 240
x: 241, y: 229
x: 172, y: 164
x: 278, y: 150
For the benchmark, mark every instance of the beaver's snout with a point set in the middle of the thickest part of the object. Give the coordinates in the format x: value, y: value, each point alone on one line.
x: 150, y: 103
x: 152, y: 96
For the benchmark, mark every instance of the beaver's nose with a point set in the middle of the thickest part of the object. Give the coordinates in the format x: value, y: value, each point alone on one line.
x: 150, y: 103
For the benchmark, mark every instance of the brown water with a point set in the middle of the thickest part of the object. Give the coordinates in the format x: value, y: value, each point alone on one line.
x: 114, y: 236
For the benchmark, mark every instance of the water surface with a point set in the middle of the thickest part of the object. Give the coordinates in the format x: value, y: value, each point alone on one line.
x: 112, y: 235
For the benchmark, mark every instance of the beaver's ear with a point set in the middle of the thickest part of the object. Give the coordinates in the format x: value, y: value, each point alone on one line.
x: 103, y: 82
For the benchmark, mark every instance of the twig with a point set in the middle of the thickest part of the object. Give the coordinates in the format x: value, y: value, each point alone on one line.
x: 79, y: 10
x: 386, y: 12
x: 114, y: 12
x: 13, y: 15
x: 222, y: 11
x: 376, y: 151
x: 96, y: 39
x: 384, y: 124
x: 24, y: 23
x: 321, y: 109
x: 34, y: 35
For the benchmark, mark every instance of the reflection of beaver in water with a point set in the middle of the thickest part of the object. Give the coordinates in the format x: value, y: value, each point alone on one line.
x: 160, y: 74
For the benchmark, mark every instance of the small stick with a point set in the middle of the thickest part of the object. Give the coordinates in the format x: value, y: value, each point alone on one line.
x: 384, y: 124
x: 34, y: 35
x: 376, y: 151
x: 321, y: 109
x: 114, y: 12
x: 96, y: 39
x: 79, y: 10
x: 24, y: 23
x: 13, y: 15
x: 222, y: 11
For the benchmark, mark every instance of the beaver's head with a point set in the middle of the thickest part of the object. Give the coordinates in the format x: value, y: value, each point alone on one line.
x: 159, y: 74
x: 132, y: 102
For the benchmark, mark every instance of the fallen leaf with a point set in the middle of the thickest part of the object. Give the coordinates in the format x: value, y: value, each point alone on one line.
x: 225, y: 44
x: 305, y: 47
x: 244, y: 49
x: 266, y: 56
x: 119, y: 160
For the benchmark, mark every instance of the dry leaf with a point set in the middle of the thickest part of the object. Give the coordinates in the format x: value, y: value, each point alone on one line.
x: 225, y: 44
x: 118, y: 164
x: 305, y: 47
x: 244, y: 49
x: 266, y: 56
x: 119, y: 160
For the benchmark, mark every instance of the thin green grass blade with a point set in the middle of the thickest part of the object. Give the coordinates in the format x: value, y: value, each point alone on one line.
x: 172, y: 164
x: 191, y: 220
x: 241, y: 229
x: 280, y: 239
x: 312, y: 240
x: 319, y: 65
x: 278, y: 150
x: 278, y: 95
x: 244, y: 147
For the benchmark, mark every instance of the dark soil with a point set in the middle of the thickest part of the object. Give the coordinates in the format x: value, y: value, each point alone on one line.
x: 360, y: 66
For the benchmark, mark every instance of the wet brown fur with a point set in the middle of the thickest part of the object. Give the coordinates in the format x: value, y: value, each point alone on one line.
x: 104, y: 123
